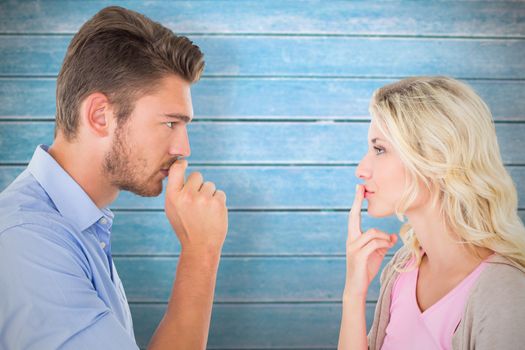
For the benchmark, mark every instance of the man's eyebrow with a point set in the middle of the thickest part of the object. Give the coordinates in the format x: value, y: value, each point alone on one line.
x: 181, y: 117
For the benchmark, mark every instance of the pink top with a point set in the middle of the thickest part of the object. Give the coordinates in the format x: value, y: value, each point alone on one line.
x: 409, y: 328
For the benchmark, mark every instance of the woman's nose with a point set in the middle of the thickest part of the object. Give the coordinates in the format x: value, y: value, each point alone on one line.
x: 363, y: 170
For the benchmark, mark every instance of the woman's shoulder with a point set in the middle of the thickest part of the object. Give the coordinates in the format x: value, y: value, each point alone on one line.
x: 401, y: 256
x: 495, y: 312
x: 501, y: 268
x: 501, y: 282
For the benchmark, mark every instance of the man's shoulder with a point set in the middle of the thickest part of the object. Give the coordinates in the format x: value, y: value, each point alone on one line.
x: 26, y: 207
x: 38, y: 240
x: 24, y: 201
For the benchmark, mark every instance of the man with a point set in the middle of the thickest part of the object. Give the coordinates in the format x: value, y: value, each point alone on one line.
x: 123, y: 104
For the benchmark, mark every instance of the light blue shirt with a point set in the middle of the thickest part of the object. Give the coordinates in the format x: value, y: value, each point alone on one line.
x: 58, y: 286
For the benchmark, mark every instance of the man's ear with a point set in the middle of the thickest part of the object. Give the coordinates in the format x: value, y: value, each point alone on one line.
x: 96, y: 114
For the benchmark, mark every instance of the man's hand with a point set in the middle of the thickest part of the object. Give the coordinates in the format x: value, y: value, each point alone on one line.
x: 196, y: 210
x: 198, y: 214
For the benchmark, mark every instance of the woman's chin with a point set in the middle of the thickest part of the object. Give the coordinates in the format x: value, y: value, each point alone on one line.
x: 379, y: 213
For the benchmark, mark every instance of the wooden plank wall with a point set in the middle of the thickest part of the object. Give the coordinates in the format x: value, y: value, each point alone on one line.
x: 281, y: 120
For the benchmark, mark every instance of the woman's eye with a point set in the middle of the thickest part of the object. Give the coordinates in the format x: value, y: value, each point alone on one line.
x: 379, y: 150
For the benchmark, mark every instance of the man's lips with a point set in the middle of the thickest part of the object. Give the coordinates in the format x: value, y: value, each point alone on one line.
x: 166, y: 170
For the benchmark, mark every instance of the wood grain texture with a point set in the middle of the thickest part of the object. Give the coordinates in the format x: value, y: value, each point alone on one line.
x: 265, y: 98
x: 270, y: 187
x: 242, y: 279
x: 500, y: 18
x: 256, y: 142
x: 250, y: 234
x: 258, y: 326
x: 288, y: 56
x: 280, y: 124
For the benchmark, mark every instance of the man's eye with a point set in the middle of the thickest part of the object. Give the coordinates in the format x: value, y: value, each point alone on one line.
x: 379, y: 150
x: 170, y: 124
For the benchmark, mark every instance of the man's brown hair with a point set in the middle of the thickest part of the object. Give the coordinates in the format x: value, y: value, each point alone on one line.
x: 123, y: 55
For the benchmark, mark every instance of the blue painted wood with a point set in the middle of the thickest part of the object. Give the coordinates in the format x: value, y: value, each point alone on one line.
x: 268, y: 98
x: 241, y: 279
x: 270, y: 187
x: 472, y: 18
x: 249, y: 233
x: 255, y: 142
x: 306, y: 56
x: 271, y: 60
x: 259, y: 326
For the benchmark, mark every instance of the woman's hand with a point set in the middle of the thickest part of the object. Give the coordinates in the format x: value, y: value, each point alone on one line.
x: 364, y: 251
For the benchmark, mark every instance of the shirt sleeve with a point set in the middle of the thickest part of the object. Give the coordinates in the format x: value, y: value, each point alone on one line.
x: 47, y: 298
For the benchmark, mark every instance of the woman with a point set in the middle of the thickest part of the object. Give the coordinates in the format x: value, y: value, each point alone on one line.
x: 458, y: 282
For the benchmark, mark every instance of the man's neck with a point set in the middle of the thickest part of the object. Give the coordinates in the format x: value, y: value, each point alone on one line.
x: 84, y: 165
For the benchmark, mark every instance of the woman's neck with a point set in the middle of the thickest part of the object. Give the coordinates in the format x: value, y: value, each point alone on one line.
x: 443, y: 250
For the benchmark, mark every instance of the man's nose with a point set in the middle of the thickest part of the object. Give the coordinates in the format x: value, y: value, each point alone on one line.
x: 181, y: 144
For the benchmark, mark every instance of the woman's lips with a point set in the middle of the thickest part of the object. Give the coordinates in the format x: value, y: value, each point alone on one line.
x: 368, y: 194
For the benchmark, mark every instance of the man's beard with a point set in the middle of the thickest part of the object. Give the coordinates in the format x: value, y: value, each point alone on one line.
x: 128, y: 172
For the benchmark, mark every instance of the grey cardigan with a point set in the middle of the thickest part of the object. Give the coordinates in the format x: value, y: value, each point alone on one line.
x: 494, y: 317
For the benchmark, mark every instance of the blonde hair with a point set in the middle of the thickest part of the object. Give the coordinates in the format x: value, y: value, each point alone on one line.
x: 445, y: 136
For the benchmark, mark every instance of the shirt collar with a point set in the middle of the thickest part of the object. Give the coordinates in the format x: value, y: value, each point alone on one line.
x: 67, y: 195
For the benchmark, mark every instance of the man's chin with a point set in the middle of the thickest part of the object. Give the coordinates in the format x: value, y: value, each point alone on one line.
x: 152, y: 191
x: 150, y: 194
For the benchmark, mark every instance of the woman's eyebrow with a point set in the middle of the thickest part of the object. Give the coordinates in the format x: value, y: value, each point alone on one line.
x: 375, y: 139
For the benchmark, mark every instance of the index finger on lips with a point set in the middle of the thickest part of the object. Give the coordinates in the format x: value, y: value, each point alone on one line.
x: 354, y: 219
x: 176, y: 175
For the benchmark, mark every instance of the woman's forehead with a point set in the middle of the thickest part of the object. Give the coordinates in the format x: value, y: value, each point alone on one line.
x: 374, y: 131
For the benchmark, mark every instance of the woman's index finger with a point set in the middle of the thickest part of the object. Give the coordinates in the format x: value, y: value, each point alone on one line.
x: 354, y: 219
